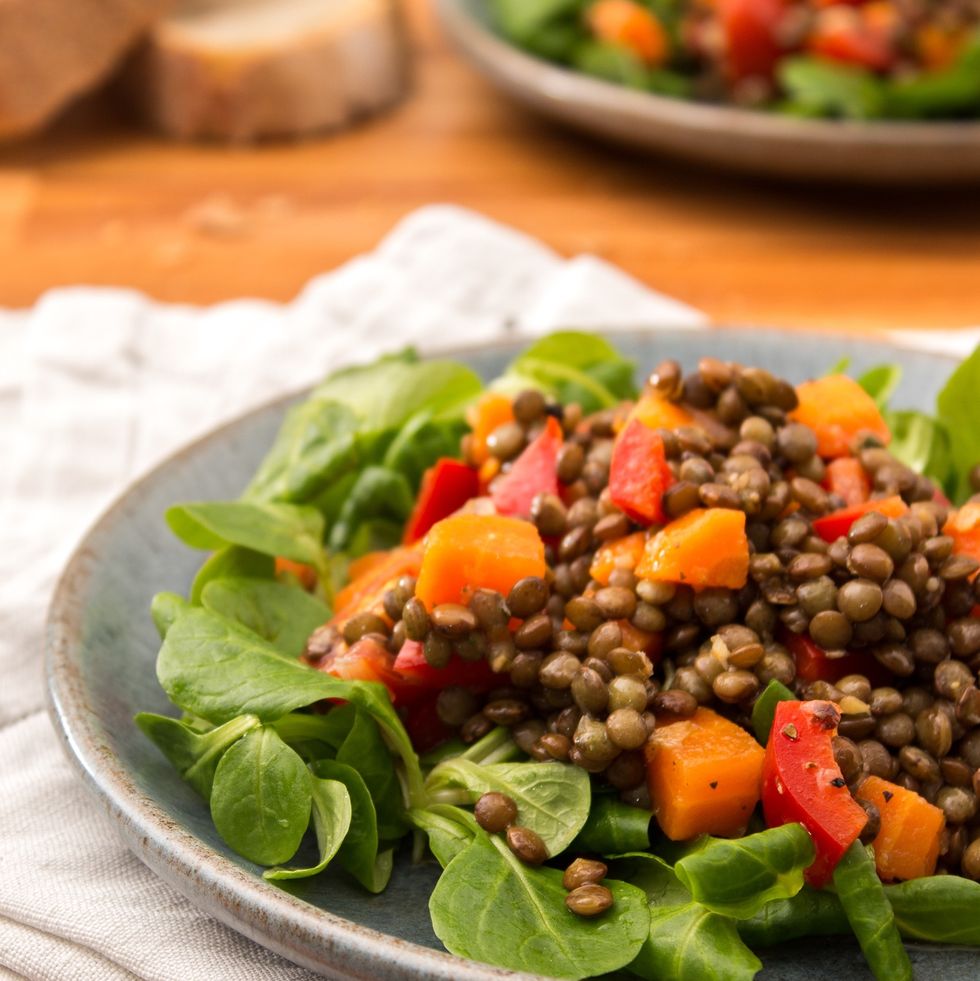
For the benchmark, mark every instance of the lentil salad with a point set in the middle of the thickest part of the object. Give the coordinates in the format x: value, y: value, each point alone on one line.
x: 614, y: 604
x: 852, y: 59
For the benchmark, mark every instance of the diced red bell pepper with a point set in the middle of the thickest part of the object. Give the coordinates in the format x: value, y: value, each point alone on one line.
x: 831, y: 526
x: 852, y: 47
x: 533, y: 472
x: 846, y: 478
x: 423, y: 725
x: 750, y: 31
x: 802, y: 782
x: 639, y: 474
x: 813, y: 664
x: 415, y: 671
x: 446, y: 487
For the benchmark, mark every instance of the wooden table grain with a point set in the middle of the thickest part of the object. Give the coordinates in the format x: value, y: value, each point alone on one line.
x: 96, y: 201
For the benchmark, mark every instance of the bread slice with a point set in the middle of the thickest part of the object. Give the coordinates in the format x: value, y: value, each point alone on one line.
x: 54, y: 50
x: 244, y: 70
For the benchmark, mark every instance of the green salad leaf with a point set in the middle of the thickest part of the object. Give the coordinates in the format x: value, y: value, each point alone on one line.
x: 613, y: 827
x: 359, y: 853
x: 942, y: 909
x: 810, y: 913
x: 232, y: 562
x: 164, y: 610
x: 490, y: 906
x: 880, y: 382
x: 261, y: 797
x: 737, y: 877
x: 817, y: 87
x: 764, y: 709
x: 194, y: 755
x: 870, y: 915
x: 956, y: 408
x: 572, y: 367
x: 332, y: 813
x: 283, y: 615
x: 552, y: 798
x: 523, y: 20
x: 950, y: 91
x: 449, y: 829
x: 686, y: 941
x: 270, y: 528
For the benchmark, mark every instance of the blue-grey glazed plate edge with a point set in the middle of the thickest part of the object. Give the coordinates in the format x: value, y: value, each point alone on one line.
x: 166, y: 826
x: 875, y: 152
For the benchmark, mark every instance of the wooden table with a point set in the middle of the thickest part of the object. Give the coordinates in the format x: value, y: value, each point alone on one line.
x: 95, y: 201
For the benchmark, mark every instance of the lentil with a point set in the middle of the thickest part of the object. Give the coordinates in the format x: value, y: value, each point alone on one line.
x: 495, y: 812
x: 590, y: 899
x: 526, y: 845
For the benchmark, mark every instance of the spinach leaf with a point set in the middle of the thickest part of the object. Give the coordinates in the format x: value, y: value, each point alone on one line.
x: 316, y: 445
x: 956, y: 407
x: 613, y: 827
x: 365, y: 751
x: 378, y: 493
x: 359, y: 852
x: 880, y: 382
x: 497, y: 746
x: 822, y: 88
x: 216, y: 669
x: 737, y: 877
x: 261, y: 798
x: 523, y: 20
x: 922, y: 443
x: 330, y: 729
x: 951, y: 91
x: 764, y: 709
x: 165, y: 608
x: 283, y: 615
x: 686, y: 942
x: 288, y: 530
x: 572, y: 367
x: 331, y: 820
x: 194, y: 754
x: 234, y: 562
x: 491, y: 907
x: 552, y: 798
x: 449, y: 829
x: 810, y: 913
x: 389, y: 391
x: 870, y: 915
x: 941, y: 909
x: 421, y: 441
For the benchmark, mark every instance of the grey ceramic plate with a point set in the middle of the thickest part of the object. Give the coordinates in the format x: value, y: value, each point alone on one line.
x: 101, y: 649
x: 758, y: 142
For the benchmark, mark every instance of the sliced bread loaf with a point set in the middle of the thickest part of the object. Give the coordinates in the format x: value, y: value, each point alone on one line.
x: 244, y: 70
x: 54, y: 50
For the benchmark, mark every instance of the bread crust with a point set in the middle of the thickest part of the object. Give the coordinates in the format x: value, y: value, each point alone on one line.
x: 52, y: 51
x: 351, y: 64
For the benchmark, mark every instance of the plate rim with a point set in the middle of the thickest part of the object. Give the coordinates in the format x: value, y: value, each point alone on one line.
x: 213, y: 883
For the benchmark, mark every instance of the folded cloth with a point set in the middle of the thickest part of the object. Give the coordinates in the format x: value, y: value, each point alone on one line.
x: 96, y: 386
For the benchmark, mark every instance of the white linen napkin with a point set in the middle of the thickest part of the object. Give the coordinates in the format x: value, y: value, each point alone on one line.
x: 97, y: 385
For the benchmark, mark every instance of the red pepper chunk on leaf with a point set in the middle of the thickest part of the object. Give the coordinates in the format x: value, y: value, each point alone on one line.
x: 639, y: 475
x: 533, y: 472
x: 802, y: 782
x: 446, y: 487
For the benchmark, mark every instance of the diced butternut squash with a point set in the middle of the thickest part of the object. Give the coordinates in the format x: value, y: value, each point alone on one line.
x: 846, y: 478
x: 704, y: 775
x: 466, y: 552
x: 706, y: 547
x: 630, y: 25
x: 656, y: 412
x: 306, y: 574
x: 620, y: 553
x: 963, y: 527
x: 492, y: 410
x: 837, y: 409
x: 641, y: 640
x: 907, y: 845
